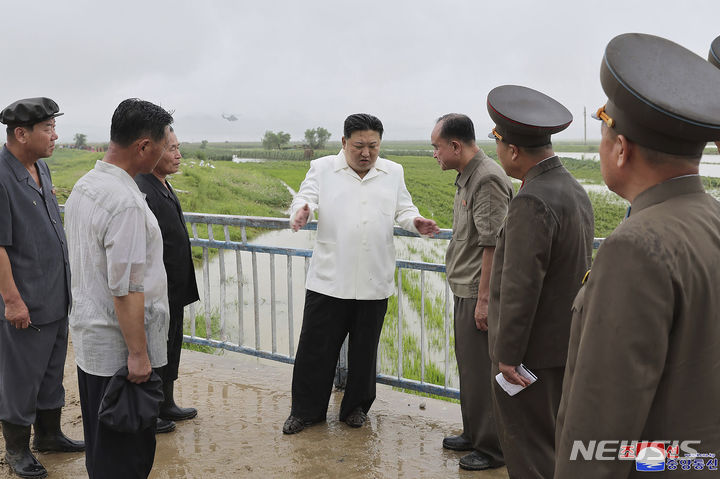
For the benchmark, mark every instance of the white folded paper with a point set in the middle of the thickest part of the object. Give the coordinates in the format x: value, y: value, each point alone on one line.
x: 513, y: 389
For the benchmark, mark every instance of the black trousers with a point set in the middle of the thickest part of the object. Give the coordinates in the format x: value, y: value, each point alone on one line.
x: 110, y: 454
x: 32, y: 364
x: 174, y: 345
x: 326, y: 322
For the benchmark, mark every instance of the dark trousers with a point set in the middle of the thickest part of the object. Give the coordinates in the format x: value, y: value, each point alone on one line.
x: 526, y: 424
x: 110, y: 454
x: 32, y: 365
x: 326, y: 322
x: 174, y: 345
x: 474, y: 367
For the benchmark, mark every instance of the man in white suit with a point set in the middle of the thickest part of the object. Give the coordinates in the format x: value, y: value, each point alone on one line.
x: 359, y: 198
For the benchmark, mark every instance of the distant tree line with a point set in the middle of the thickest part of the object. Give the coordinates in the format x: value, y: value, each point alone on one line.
x: 315, y: 138
x: 275, y: 141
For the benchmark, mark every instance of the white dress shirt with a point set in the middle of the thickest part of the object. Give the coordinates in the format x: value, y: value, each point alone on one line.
x: 115, y: 247
x: 354, y: 256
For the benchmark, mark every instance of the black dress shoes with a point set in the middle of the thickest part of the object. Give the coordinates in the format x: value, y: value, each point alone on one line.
x: 457, y: 443
x: 294, y: 425
x: 477, y: 461
x: 356, y: 418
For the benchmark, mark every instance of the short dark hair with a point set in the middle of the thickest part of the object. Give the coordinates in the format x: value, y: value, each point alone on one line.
x: 134, y: 119
x: 658, y: 158
x: 536, y: 150
x: 362, y: 122
x: 456, y: 126
x: 11, y: 129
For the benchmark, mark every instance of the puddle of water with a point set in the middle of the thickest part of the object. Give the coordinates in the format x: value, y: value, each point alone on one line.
x: 709, y: 164
x: 235, y: 159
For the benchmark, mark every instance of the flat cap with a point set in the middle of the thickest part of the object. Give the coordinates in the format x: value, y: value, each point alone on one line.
x: 714, y: 55
x: 660, y: 94
x: 29, y: 111
x: 525, y: 117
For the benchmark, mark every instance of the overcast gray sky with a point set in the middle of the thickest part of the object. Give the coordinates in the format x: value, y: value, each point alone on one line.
x: 297, y: 64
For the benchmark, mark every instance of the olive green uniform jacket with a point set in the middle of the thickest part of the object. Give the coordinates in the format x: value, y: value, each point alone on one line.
x: 542, y: 253
x: 644, y: 358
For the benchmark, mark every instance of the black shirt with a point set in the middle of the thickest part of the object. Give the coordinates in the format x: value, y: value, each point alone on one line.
x: 182, y: 286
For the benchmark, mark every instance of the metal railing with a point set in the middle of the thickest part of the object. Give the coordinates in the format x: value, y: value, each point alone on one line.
x: 210, y: 243
x: 224, y: 316
x: 220, y: 338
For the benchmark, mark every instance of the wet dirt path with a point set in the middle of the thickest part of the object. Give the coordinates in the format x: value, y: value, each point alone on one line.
x: 242, y: 403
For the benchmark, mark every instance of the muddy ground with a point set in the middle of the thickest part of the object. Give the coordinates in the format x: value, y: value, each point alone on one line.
x: 242, y: 403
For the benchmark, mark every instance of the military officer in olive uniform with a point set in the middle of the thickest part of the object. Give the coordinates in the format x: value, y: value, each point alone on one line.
x: 714, y: 58
x: 34, y: 289
x: 543, y: 250
x: 644, y: 362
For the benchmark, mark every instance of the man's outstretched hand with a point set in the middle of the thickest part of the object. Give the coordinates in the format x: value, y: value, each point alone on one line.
x: 425, y: 226
x: 301, y: 218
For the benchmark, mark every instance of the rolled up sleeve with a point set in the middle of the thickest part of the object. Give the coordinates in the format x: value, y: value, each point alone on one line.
x: 125, y: 250
x: 490, y: 206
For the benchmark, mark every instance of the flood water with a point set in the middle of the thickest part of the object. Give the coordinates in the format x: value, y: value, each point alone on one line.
x: 239, y: 315
x: 709, y: 164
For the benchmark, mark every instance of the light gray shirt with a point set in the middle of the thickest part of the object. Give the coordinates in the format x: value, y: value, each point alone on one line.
x: 115, y: 247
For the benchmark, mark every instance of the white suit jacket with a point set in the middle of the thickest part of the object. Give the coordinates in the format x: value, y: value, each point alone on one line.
x: 354, y: 256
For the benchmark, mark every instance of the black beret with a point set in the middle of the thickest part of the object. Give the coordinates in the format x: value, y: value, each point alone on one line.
x: 525, y: 117
x: 714, y: 55
x: 29, y: 111
x: 660, y: 94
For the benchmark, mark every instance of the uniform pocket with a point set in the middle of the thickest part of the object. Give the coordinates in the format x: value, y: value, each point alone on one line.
x: 464, y: 218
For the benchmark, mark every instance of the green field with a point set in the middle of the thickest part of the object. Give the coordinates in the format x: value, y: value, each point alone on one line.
x: 257, y: 189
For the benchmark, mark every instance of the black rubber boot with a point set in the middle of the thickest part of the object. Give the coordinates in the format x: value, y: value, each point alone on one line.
x: 18, y: 455
x: 171, y: 411
x: 49, y: 437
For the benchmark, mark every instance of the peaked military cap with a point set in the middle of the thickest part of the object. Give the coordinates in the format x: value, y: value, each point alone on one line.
x: 714, y: 55
x: 660, y: 94
x: 525, y: 117
x: 29, y: 111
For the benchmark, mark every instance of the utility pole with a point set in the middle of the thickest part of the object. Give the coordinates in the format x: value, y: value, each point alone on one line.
x: 585, y: 125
